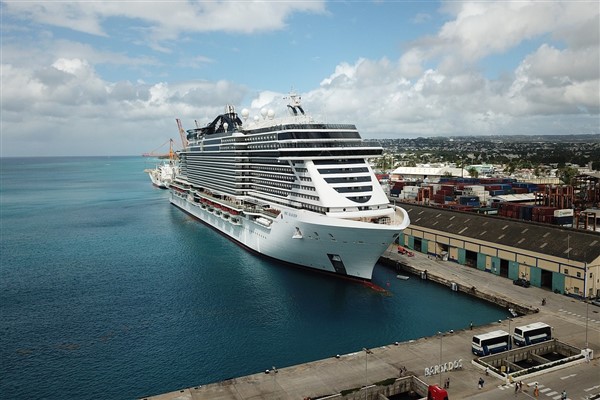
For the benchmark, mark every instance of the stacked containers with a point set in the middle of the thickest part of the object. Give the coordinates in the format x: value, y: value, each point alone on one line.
x: 397, y: 188
x: 543, y: 214
x: 409, y: 193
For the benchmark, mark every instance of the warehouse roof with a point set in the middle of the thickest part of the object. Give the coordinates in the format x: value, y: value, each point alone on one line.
x: 574, y: 244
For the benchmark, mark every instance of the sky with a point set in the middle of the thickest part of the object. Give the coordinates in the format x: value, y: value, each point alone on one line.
x: 110, y: 77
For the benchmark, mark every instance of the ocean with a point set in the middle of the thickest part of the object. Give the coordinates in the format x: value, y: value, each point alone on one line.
x: 107, y: 291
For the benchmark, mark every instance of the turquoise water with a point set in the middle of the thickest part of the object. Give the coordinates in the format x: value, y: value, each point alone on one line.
x: 108, y: 291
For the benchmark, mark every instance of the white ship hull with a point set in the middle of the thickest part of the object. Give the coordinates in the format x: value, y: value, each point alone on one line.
x: 344, y: 247
x: 163, y: 174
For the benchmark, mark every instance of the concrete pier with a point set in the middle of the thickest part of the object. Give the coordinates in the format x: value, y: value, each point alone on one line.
x: 346, y: 374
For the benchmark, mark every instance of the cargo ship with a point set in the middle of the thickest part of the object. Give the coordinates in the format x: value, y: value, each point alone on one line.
x: 163, y: 174
x: 289, y: 188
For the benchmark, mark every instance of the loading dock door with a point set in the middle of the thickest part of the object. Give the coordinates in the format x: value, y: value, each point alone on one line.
x: 417, y: 244
x: 470, y: 258
x: 504, y: 268
x: 481, y: 261
x: 462, y: 258
x: 496, y: 266
x: 546, y: 279
x: 513, y: 270
x: 535, y: 276
x: 558, y: 282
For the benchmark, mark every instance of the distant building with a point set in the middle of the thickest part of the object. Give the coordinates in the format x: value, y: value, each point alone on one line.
x: 484, y: 169
x: 426, y: 173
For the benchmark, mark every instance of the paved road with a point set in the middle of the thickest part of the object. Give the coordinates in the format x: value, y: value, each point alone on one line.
x: 580, y: 381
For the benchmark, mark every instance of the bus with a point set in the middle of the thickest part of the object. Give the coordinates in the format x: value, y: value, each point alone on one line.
x: 490, y: 343
x: 532, y: 333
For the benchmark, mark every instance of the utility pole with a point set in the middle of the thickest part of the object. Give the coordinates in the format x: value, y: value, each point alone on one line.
x: 441, y: 336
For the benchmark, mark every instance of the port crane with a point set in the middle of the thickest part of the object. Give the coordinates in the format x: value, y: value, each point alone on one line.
x: 155, y: 153
x: 182, y: 134
x: 171, y: 154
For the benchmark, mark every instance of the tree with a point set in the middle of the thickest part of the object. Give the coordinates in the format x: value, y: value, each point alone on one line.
x: 473, y: 172
x: 566, y: 174
x: 510, y: 168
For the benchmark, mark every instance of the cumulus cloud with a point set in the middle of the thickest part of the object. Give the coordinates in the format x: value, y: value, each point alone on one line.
x: 480, y: 29
x: 166, y: 19
x: 79, y: 110
x: 62, y: 102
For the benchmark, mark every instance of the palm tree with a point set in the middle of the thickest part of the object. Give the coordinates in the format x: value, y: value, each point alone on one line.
x: 473, y: 172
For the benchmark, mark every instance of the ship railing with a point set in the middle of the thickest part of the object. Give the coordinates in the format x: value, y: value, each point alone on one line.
x: 399, y: 217
x: 239, y: 205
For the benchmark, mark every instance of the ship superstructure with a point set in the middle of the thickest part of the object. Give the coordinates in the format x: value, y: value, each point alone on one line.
x: 290, y: 188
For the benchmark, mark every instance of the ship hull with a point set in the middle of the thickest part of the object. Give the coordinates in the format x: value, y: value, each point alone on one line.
x: 343, y: 247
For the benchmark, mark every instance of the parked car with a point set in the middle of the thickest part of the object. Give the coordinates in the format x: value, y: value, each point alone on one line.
x: 522, y: 282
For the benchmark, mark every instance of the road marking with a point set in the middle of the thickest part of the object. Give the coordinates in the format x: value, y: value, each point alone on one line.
x: 568, y: 376
x: 544, y: 390
x: 552, y: 393
x: 592, y: 388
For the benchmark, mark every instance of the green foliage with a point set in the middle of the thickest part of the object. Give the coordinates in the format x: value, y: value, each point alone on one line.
x: 385, y: 382
x: 566, y: 174
x: 473, y: 172
x: 348, y: 391
x: 510, y: 167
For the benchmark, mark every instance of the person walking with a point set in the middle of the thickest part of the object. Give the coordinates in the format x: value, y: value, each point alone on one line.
x: 563, y: 395
x: 481, y: 382
x: 536, y: 391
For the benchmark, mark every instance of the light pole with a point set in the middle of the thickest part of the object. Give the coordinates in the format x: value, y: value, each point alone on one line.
x: 366, y: 380
x: 441, y: 336
x: 509, y: 347
x: 587, y: 306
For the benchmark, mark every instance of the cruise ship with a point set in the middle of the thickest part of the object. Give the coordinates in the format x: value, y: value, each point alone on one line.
x: 289, y: 188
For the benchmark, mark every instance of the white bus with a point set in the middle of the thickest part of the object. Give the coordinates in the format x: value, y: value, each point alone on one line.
x: 490, y: 343
x: 532, y: 333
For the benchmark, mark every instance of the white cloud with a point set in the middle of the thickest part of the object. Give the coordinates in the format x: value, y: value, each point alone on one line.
x: 166, y: 20
x: 81, y: 17
x: 59, y: 103
x: 480, y: 29
x: 65, y: 108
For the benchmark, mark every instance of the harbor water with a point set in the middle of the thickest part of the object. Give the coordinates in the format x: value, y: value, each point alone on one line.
x: 108, y: 291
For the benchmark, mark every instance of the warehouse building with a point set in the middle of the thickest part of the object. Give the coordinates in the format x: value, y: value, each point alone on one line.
x: 560, y: 259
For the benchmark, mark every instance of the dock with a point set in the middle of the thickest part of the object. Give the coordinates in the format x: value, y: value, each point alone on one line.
x: 355, y: 375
